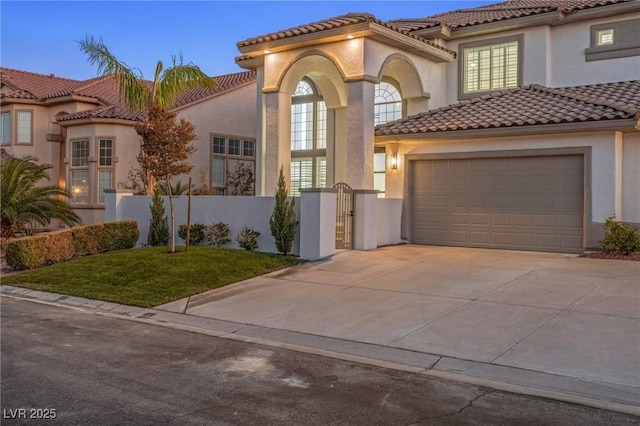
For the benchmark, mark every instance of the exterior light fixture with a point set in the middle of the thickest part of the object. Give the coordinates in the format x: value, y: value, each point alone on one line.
x: 350, y: 36
x: 394, y: 161
x: 266, y: 52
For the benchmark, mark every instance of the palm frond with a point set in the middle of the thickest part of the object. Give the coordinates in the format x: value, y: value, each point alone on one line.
x: 130, y: 81
x: 179, y: 78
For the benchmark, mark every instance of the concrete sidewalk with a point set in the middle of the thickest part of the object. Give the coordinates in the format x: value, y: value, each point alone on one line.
x: 552, y: 325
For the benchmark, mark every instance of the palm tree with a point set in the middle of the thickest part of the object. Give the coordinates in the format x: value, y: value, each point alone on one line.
x: 25, y: 202
x: 138, y: 93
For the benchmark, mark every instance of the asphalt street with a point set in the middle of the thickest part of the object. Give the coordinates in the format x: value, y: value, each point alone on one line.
x: 68, y: 366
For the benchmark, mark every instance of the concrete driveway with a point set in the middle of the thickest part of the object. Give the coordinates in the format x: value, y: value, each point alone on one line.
x: 545, y: 312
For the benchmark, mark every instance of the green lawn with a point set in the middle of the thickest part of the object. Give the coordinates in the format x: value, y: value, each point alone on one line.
x: 150, y: 276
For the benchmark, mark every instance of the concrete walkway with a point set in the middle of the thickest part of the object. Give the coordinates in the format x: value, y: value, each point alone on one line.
x: 552, y: 325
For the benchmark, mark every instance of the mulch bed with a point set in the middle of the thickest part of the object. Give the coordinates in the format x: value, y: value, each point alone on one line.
x: 614, y: 256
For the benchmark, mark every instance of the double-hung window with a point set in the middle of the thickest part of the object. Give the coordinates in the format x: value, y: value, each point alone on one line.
x: 80, y: 171
x: 227, y: 153
x: 486, y: 67
x: 5, y: 130
x: 308, y: 138
x: 24, y: 127
x: 105, y: 167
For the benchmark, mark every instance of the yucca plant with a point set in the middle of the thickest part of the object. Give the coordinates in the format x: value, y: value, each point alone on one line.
x: 25, y: 202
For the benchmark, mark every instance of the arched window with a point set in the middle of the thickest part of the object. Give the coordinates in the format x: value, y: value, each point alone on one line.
x: 308, y: 138
x: 387, y: 103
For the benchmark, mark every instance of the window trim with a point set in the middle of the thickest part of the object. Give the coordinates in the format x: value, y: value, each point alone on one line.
x: 16, y: 129
x: 101, y: 168
x: 626, y: 42
x: 519, y: 38
x: 227, y: 156
x: 396, y: 85
x: 9, y: 135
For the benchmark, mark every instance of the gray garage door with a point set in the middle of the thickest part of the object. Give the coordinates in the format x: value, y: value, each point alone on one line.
x: 525, y: 203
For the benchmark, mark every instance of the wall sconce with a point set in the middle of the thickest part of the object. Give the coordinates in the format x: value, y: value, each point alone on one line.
x: 394, y: 161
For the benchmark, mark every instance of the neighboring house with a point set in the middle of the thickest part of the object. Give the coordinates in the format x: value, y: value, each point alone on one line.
x: 86, y: 133
x: 513, y: 125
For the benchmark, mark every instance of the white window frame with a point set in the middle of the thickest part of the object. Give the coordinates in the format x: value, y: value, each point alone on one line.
x: 388, y: 102
x: 105, y: 166
x: 221, y: 149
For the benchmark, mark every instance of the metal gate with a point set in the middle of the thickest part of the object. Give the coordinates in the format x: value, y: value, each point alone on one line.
x: 344, y: 216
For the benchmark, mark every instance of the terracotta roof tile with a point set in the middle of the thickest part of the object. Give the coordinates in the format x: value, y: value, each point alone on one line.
x: 526, y: 106
x: 331, y: 23
x: 224, y: 83
x: 40, y: 87
x: 497, y: 12
x: 37, y: 85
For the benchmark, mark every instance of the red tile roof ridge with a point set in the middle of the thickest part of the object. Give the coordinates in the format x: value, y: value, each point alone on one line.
x: 52, y: 76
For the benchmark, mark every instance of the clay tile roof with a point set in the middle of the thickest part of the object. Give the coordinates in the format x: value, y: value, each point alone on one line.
x: 500, y: 11
x: 224, y: 83
x: 526, y: 106
x: 29, y: 85
x: 331, y: 23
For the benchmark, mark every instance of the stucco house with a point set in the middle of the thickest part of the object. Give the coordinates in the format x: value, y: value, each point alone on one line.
x: 85, y: 131
x: 513, y: 125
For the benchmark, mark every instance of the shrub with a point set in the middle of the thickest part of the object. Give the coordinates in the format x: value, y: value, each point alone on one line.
x: 196, y: 233
x: 59, y: 246
x: 218, y: 234
x: 159, y: 224
x: 620, y: 237
x: 248, y: 238
x: 283, y: 220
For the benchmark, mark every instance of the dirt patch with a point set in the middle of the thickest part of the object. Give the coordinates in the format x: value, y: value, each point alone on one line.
x: 613, y: 256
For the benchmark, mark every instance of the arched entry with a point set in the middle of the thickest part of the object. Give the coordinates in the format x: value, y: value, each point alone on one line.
x: 344, y: 216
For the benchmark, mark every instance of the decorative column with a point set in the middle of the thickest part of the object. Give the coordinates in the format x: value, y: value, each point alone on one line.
x: 365, y: 219
x: 360, y: 135
x: 317, y: 223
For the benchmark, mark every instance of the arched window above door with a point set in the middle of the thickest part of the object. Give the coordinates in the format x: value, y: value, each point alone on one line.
x: 387, y: 103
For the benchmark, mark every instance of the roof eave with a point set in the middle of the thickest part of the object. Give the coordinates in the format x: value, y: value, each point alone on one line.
x: 549, y: 18
x: 213, y: 95
x: 625, y: 125
x: 363, y: 29
x: 72, y: 98
x: 96, y: 120
x: 22, y: 101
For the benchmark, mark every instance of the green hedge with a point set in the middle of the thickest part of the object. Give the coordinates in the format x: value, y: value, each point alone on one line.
x: 58, y: 246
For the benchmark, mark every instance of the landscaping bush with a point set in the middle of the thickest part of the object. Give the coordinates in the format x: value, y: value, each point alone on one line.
x: 248, y: 238
x: 196, y: 234
x: 218, y: 234
x: 620, y: 237
x: 59, y: 246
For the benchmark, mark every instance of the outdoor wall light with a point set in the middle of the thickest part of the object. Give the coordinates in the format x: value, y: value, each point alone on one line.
x: 350, y: 36
x: 394, y: 161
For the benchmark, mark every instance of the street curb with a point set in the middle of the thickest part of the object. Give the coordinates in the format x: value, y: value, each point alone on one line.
x: 608, y: 396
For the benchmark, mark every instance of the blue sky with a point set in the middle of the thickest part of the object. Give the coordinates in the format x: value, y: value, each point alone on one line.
x: 42, y: 36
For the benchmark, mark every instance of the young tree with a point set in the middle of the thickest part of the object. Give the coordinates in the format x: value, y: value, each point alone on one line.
x: 159, y: 225
x: 139, y: 94
x: 25, y: 202
x: 283, y: 220
x: 165, y: 149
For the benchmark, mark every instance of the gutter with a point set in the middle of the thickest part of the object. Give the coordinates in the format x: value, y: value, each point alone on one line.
x: 628, y: 125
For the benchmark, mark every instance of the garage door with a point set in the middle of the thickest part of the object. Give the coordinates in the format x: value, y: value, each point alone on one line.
x: 524, y: 203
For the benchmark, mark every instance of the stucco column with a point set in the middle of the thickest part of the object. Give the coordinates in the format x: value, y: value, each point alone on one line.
x: 277, y: 144
x: 317, y: 223
x: 113, y: 204
x: 360, y: 134
x: 365, y: 219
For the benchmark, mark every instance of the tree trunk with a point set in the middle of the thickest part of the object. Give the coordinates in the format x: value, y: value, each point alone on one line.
x: 188, y: 217
x: 173, y: 219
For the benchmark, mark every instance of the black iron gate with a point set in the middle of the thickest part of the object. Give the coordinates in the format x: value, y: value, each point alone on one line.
x: 344, y: 216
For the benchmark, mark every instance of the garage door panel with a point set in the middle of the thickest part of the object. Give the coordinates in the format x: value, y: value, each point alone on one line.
x: 529, y: 203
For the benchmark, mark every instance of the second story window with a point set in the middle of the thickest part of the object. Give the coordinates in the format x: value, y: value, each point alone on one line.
x: 387, y: 103
x: 488, y: 67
